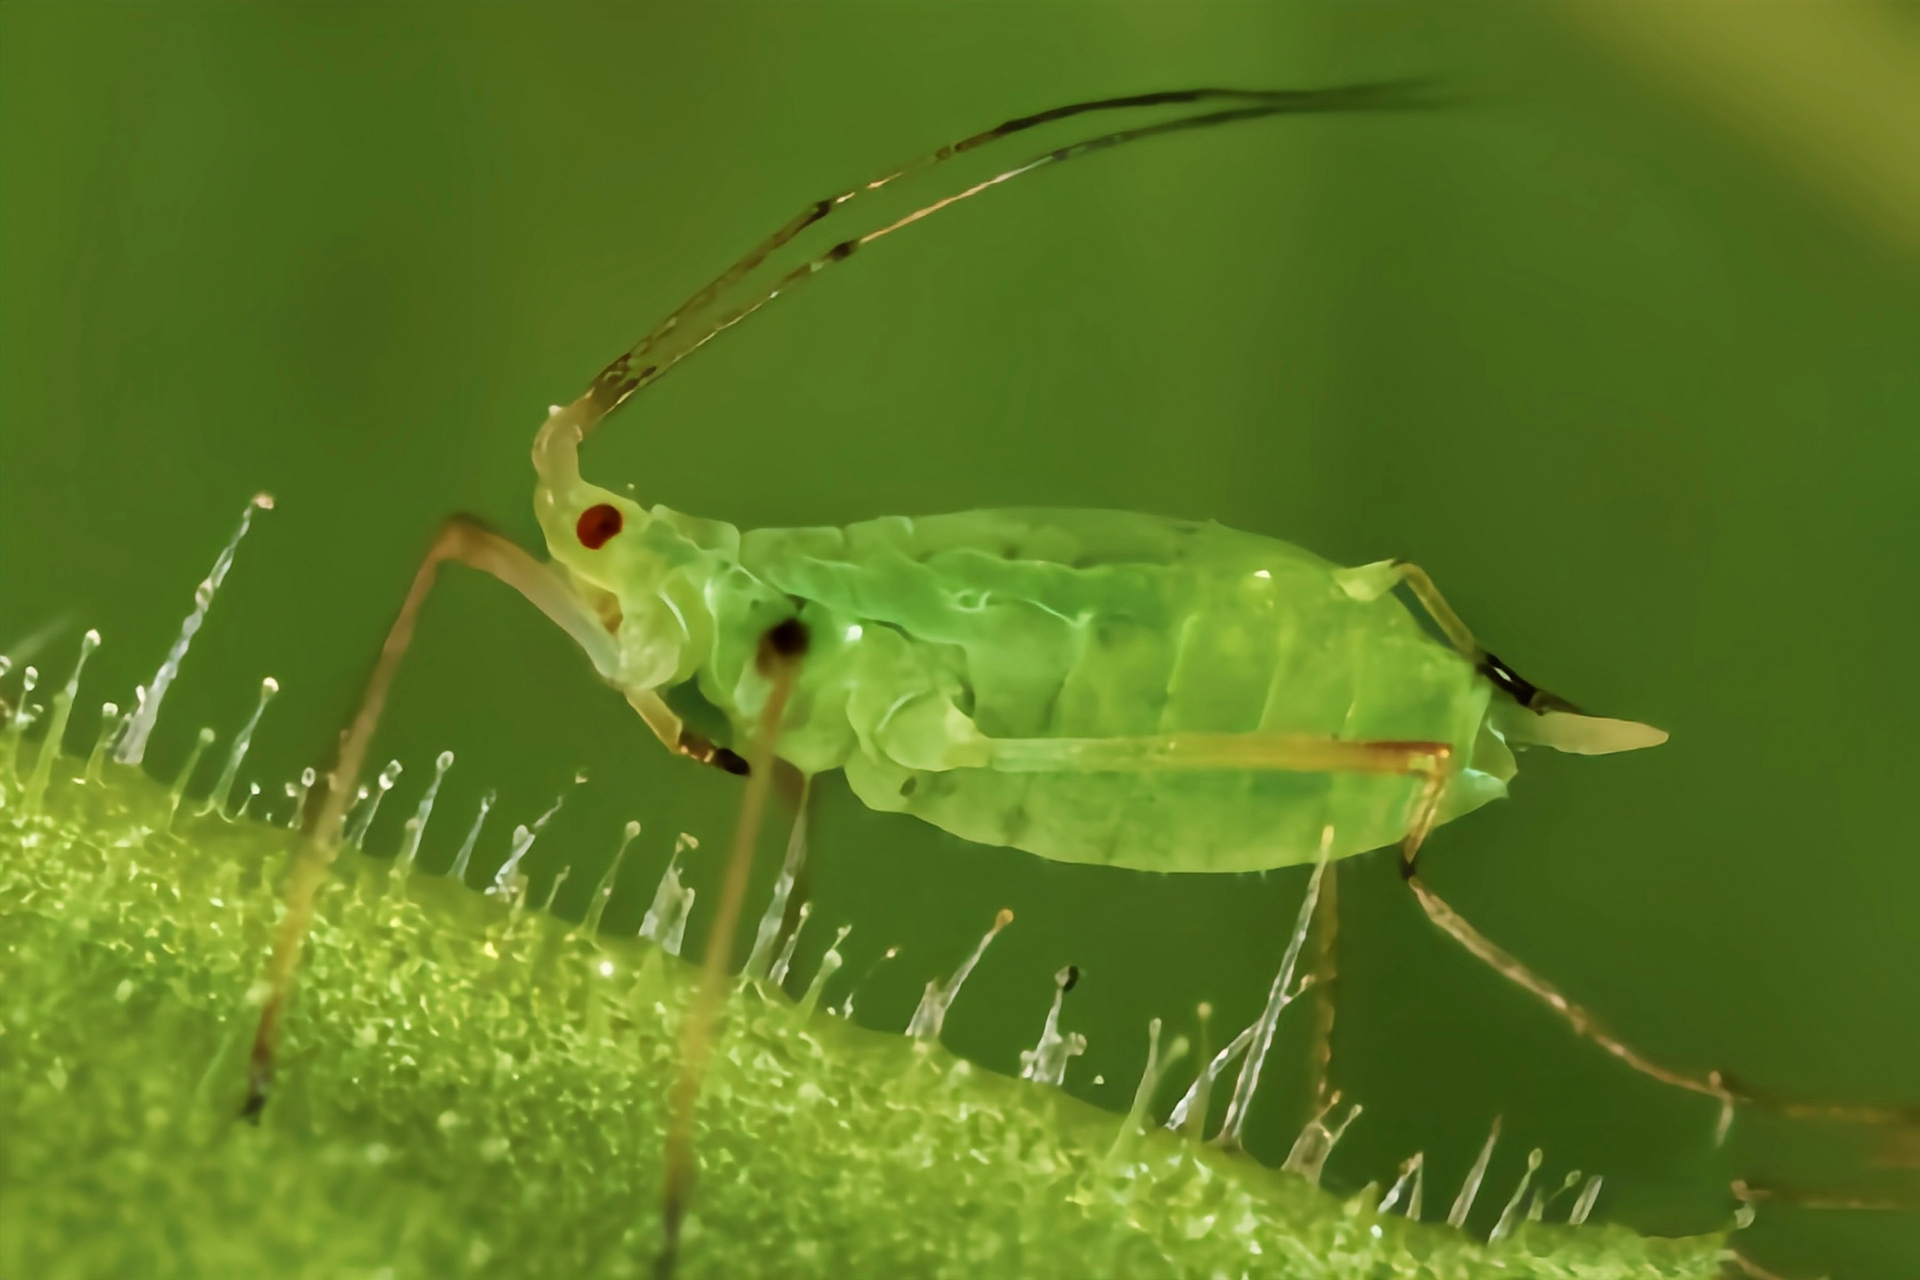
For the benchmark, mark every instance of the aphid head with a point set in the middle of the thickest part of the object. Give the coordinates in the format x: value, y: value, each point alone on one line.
x: 618, y: 560
x: 583, y: 523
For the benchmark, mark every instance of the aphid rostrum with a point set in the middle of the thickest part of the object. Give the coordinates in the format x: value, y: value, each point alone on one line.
x: 1090, y: 686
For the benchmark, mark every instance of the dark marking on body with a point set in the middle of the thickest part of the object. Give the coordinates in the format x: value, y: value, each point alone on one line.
x: 1073, y: 978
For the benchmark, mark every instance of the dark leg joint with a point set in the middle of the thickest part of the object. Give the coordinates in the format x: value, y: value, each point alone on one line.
x: 696, y: 746
x: 784, y: 641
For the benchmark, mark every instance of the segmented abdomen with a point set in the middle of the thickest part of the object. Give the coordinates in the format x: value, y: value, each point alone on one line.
x: 1095, y: 624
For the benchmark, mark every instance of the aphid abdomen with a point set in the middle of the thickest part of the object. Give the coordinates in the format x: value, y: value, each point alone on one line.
x: 1093, y: 624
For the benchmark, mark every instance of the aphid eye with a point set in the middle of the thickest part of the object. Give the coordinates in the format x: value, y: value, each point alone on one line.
x: 598, y: 524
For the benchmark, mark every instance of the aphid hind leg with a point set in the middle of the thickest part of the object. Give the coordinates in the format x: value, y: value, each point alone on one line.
x: 464, y: 541
x: 1712, y: 1084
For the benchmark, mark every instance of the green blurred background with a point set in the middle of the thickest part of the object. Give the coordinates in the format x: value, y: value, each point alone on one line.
x: 1622, y: 350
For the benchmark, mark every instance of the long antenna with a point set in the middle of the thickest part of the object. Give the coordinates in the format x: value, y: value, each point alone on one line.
x: 649, y: 359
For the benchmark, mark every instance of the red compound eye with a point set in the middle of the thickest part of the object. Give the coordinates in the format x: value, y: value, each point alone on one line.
x: 597, y: 525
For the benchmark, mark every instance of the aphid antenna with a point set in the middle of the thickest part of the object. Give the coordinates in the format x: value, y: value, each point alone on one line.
x: 706, y: 314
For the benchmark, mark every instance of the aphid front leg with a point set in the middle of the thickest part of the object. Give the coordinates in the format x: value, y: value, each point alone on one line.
x: 464, y: 541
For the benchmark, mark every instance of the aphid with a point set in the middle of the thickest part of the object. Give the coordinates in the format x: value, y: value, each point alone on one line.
x: 1090, y: 686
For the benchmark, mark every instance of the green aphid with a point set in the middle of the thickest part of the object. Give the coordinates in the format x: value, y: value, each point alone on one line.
x: 1091, y: 686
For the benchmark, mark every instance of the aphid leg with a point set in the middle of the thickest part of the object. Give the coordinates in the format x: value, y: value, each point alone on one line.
x: 701, y: 318
x: 781, y: 650
x: 677, y: 738
x: 1713, y: 1084
x: 464, y: 541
